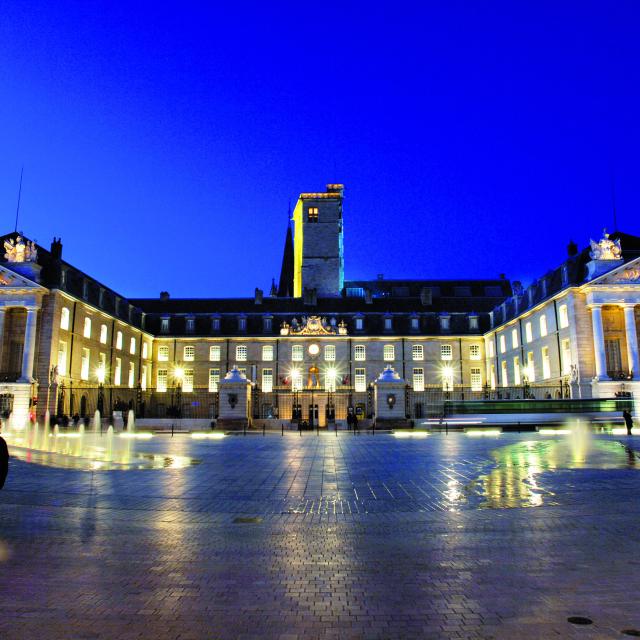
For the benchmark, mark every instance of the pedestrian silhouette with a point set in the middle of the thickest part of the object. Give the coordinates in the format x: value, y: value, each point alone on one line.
x: 4, y: 461
x: 628, y: 420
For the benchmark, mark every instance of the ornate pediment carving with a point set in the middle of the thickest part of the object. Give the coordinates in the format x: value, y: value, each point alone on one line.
x: 312, y: 326
x: 20, y: 251
x: 606, y: 249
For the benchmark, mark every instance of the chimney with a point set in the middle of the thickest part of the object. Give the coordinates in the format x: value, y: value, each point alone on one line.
x: 56, y: 248
x: 257, y: 297
x: 572, y: 249
x: 164, y: 296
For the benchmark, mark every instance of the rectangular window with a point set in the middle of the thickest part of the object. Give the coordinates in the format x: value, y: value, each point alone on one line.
x: 163, y: 353
x: 473, y: 323
x: 359, y: 324
x: 361, y: 379
x: 241, y: 353
x: 531, y: 367
x: 417, y: 352
x: 330, y: 377
x: 528, y: 332
x: 119, y: 340
x: 543, y: 326
x: 476, y: 379
x: 388, y: 324
x: 267, y: 380
x: 64, y: 319
x: 296, y: 380
x: 267, y: 352
x: 546, y: 363
x: 190, y: 326
x: 445, y: 323
x: 360, y: 352
x: 242, y: 323
x: 514, y: 338
x: 62, y: 358
x: 187, y: 381
x: 516, y: 371
x: 215, y: 324
x: 566, y: 357
x: 446, y: 352
x: 504, y: 374
x: 330, y: 353
x: 389, y: 353
x: 503, y: 343
x: 297, y: 353
x: 84, y: 365
x: 214, y: 353
x: 312, y: 214
x: 143, y: 377
x: 214, y: 378
x: 87, y: 328
x: 447, y: 379
x: 132, y: 375
x: 145, y: 350
x: 117, y: 373
x: 474, y: 352
x: 418, y: 379
x: 189, y: 353
x: 103, y: 334
x: 493, y: 377
x: 161, y: 384
x: 132, y: 346
x: 164, y: 325
x: 267, y: 323
x: 102, y: 367
x: 492, y: 352
x: 415, y: 324
x: 563, y: 314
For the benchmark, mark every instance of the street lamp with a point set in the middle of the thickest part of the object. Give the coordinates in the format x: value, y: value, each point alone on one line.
x: 53, y: 379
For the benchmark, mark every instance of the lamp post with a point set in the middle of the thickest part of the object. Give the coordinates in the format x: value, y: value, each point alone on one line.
x: 53, y: 379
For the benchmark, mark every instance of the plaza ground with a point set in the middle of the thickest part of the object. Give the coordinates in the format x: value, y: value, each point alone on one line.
x: 446, y: 536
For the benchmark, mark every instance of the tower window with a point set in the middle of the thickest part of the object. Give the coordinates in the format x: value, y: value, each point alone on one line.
x: 312, y: 214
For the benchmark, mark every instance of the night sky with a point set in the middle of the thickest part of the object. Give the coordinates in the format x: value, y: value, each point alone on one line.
x: 164, y: 141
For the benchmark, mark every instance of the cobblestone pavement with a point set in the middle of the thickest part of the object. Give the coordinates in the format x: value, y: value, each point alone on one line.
x: 448, y: 536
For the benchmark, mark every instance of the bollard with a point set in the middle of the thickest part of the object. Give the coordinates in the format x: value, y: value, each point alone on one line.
x: 172, y: 425
x: 373, y: 428
x: 263, y: 427
x: 282, y: 427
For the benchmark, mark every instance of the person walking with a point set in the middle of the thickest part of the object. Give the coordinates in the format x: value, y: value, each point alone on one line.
x: 4, y: 461
x: 628, y: 420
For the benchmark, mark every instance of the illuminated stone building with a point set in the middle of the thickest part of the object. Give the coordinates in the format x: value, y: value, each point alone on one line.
x: 315, y: 345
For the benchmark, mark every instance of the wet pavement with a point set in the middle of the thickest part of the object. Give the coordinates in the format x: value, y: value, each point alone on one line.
x: 446, y: 536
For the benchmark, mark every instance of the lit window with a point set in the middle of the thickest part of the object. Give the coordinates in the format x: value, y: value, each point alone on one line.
x: 389, y: 353
x: 190, y: 325
x: 361, y: 379
x: 214, y: 353
x: 215, y: 324
x: 330, y: 353
x: 214, y: 379
x: 505, y: 376
x: 103, y: 334
x: 330, y: 377
x: 446, y: 352
x: 388, y: 324
x: 493, y: 377
x: 445, y: 323
x: 473, y: 323
x: 359, y: 352
x: 62, y: 358
x: 132, y: 346
x: 267, y: 380
x: 474, y: 352
x: 531, y: 367
x: 312, y: 214
x: 514, y: 338
x: 145, y: 350
x: 503, y: 344
x: 417, y: 352
x: 297, y: 353
x: 119, y: 340
x: 359, y: 324
x: 516, y: 370
x: 132, y: 374
x: 418, y: 379
x: 242, y: 323
x: 164, y: 325
x: 87, y: 328
x: 566, y: 357
x: 189, y: 353
x: 187, y: 380
x: 267, y: 352
x: 161, y: 384
x: 102, y: 368
x: 415, y: 323
x: 84, y: 366
x: 241, y: 353
x: 491, y: 349
x: 163, y: 353
x: 546, y: 363
x: 117, y: 374
x: 563, y: 312
x: 296, y: 380
x: 447, y: 379
x: 528, y: 332
x: 143, y: 377
x: 543, y: 325
x: 64, y: 319
x: 476, y: 379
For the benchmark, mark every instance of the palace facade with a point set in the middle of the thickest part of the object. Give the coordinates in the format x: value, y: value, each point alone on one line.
x: 314, y: 345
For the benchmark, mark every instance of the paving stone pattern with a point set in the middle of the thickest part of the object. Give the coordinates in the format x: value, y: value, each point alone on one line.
x: 327, y: 537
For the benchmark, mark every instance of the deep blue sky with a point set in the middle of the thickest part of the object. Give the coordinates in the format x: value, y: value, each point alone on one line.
x: 163, y: 141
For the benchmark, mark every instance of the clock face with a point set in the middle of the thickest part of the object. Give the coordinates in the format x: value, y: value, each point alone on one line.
x: 314, y: 349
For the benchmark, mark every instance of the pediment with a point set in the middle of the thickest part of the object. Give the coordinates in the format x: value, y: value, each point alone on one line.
x: 625, y: 274
x: 12, y: 282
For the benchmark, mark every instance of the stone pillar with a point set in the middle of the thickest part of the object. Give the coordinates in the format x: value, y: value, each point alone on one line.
x: 234, y: 406
x: 598, y: 342
x: 29, y: 345
x: 632, y: 339
x: 389, y: 398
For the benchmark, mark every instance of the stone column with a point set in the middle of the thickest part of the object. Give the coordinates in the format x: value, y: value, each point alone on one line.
x: 632, y: 339
x: 598, y: 342
x: 29, y: 351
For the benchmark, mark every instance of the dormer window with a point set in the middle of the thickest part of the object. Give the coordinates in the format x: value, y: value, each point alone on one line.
x: 164, y: 325
x: 242, y: 323
x: 415, y: 323
x: 190, y: 325
x: 445, y: 323
x: 388, y: 323
x: 85, y: 289
x: 312, y: 214
x: 215, y: 323
x: 359, y: 323
x: 473, y: 323
x: 565, y: 275
x: 63, y: 277
x: 267, y: 324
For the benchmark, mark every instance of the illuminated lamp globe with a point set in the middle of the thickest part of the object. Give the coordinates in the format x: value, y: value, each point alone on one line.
x: 314, y: 349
